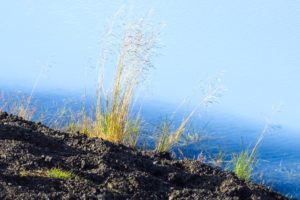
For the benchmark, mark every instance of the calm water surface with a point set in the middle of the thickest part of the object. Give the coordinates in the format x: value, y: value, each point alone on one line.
x: 278, y: 163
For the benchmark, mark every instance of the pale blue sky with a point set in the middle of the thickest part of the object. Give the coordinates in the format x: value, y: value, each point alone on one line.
x: 255, y: 42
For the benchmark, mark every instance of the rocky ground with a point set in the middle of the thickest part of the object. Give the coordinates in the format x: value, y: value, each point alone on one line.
x: 104, y: 170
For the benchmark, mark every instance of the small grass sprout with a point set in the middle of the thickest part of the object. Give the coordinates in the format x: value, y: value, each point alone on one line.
x: 24, y: 173
x: 243, y: 164
x: 55, y: 173
x: 59, y: 174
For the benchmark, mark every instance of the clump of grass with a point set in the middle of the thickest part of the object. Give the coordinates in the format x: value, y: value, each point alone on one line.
x: 24, y: 110
x: 163, y: 143
x: 24, y: 173
x: 217, y: 159
x: 52, y: 173
x: 113, y: 120
x: 245, y: 161
x: 133, y: 131
x: 59, y: 174
x: 22, y: 104
x: 168, y: 138
x: 19, y: 105
x: 244, y: 164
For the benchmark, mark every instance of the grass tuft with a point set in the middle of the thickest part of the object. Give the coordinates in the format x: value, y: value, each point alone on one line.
x: 113, y: 120
x: 168, y: 138
x: 245, y: 161
x: 244, y: 164
x: 19, y: 105
x: 52, y: 173
x: 24, y: 173
x: 60, y: 174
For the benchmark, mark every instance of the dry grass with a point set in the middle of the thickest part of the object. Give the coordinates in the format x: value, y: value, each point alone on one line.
x: 169, y: 138
x: 19, y: 105
x: 22, y: 104
x: 113, y: 120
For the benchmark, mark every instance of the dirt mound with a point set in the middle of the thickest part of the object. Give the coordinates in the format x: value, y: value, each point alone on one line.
x: 102, y: 170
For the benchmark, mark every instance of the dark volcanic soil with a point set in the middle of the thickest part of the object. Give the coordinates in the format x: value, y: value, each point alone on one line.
x: 104, y: 170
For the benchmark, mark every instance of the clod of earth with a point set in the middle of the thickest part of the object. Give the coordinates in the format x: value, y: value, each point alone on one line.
x: 102, y: 170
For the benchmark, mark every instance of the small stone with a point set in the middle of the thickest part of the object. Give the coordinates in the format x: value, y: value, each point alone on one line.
x: 35, y: 164
x: 110, y: 186
x: 83, y: 164
x: 48, y: 159
x: 75, y: 141
x: 93, y: 190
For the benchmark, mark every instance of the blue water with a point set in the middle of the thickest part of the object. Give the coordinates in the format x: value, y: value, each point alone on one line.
x: 278, y: 163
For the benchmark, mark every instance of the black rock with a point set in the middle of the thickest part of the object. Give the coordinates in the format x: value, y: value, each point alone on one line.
x: 103, y: 170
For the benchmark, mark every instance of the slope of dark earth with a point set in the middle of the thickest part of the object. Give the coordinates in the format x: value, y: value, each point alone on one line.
x: 104, y: 170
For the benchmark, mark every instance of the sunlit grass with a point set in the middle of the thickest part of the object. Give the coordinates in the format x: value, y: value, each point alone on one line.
x: 113, y: 120
x: 19, y: 105
x: 245, y: 161
x: 60, y: 174
x: 243, y: 164
x: 22, y: 104
x: 163, y: 141
x: 24, y: 173
x: 55, y: 173
x: 168, y: 137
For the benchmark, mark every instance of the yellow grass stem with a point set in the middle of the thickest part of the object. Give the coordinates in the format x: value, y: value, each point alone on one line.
x: 113, y: 120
